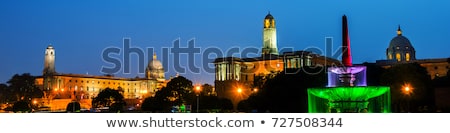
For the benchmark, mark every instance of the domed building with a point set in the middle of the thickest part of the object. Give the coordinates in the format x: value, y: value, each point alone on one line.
x: 62, y: 88
x: 400, y: 51
x: 155, y: 70
x: 400, y: 48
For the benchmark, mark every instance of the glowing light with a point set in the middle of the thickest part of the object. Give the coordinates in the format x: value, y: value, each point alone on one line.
x: 407, y: 56
x: 255, y: 90
x: 62, y: 89
x: 407, y: 89
x: 34, y: 102
x: 197, y: 88
x: 56, y: 89
x: 239, y: 90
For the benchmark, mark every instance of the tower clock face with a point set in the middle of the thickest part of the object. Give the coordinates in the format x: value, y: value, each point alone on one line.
x: 267, y: 23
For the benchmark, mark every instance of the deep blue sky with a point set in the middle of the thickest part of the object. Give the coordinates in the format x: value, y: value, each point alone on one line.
x: 81, y: 29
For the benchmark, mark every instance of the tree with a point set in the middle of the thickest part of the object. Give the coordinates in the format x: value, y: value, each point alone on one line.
x: 73, y: 107
x: 178, y: 91
x: 214, y: 104
x: 373, y: 74
x: 286, y: 92
x: 414, y: 75
x: 109, y: 97
x: 5, y: 93
x: 21, y: 107
x: 207, y: 90
x: 154, y: 104
x: 23, y: 87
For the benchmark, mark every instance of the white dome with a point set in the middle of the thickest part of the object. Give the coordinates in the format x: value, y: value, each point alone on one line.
x: 155, y: 65
x: 155, y: 69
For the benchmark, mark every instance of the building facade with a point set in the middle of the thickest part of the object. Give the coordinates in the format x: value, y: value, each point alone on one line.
x: 61, y: 88
x: 237, y: 78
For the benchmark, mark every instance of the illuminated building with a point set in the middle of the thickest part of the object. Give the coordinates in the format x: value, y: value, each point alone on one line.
x: 400, y: 50
x: 235, y: 78
x: 62, y: 88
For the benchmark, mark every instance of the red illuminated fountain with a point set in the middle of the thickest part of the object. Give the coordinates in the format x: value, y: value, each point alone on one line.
x: 346, y: 73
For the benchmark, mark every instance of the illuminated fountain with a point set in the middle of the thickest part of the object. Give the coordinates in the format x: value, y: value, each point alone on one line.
x: 347, y: 89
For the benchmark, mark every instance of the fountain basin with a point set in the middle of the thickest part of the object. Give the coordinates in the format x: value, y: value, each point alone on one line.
x: 349, y: 93
x: 349, y: 99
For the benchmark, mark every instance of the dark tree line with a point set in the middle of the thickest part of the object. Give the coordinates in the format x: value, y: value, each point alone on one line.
x: 286, y: 92
x: 19, y: 87
x: 111, y: 98
x: 19, y: 91
x: 180, y: 91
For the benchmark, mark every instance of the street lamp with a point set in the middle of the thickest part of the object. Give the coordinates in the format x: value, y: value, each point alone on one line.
x: 239, y: 90
x: 197, y: 90
x: 407, y: 90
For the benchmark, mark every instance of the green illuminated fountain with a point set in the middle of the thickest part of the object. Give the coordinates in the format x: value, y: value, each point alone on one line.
x: 347, y: 90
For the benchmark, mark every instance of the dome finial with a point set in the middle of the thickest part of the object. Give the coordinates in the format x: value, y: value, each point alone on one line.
x: 399, y: 31
x: 154, y: 56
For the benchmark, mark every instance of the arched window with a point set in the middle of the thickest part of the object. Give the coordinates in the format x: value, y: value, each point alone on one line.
x: 398, y: 57
x: 390, y: 56
x: 407, y: 56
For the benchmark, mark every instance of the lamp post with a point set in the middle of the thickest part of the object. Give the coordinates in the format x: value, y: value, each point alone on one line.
x: 197, y: 90
x: 407, y: 90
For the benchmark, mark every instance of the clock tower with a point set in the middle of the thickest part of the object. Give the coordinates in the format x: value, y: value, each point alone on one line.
x: 49, y: 60
x: 269, y: 36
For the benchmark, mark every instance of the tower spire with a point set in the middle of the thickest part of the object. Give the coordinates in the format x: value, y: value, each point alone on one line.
x: 154, y: 55
x: 399, y: 31
x: 346, y: 52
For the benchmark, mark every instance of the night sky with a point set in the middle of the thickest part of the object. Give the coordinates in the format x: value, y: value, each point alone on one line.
x: 80, y: 30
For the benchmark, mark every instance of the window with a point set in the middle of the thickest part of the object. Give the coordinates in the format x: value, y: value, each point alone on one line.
x: 390, y: 56
x: 407, y: 56
x: 398, y: 57
x: 436, y: 67
x: 397, y: 47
